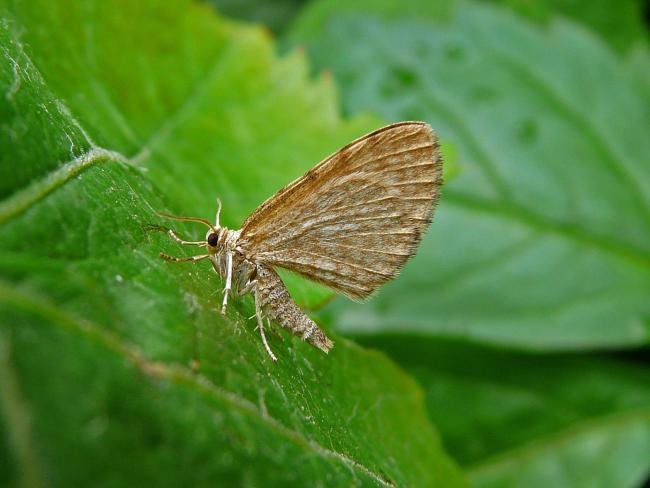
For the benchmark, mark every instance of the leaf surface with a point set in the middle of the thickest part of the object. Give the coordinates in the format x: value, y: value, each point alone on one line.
x: 116, y: 367
x: 515, y: 419
x: 543, y: 240
x: 622, y: 27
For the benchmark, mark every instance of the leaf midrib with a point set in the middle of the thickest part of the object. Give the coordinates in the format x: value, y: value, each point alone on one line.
x: 569, y: 231
x: 599, y: 141
x: 506, y: 208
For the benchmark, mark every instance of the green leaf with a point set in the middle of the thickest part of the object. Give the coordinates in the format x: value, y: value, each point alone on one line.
x: 515, y: 419
x: 543, y: 240
x: 276, y: 15
x: 116, y: 368
x: 620, y: 24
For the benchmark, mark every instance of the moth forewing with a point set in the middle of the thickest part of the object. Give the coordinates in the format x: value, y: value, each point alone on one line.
x: 355, y: 218
x: 350, y: 223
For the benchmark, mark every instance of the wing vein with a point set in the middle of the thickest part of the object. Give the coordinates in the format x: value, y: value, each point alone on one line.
x: 346, y: 277
x: 378, y: 200
x: 369, y: 270
x: 392, y: 154
x: 400, y: 168
x: 413, y: 182
x: 365, y: 249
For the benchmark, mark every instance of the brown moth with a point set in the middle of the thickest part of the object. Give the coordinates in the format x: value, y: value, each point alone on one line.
x: 350, y: 223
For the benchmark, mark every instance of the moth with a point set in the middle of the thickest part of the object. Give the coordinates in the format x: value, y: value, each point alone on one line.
x: 349, y: 223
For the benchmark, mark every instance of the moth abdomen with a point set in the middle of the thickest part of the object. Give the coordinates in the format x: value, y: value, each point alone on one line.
x: 278, y: 305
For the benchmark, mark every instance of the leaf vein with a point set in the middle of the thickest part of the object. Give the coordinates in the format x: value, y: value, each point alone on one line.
x: 568, y: 231
x: 24, y: 198
x: 175, y: 373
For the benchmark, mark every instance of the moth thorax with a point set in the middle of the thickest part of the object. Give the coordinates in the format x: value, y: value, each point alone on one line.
x: 228, y: 238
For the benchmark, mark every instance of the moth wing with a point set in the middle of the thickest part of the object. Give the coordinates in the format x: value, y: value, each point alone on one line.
x: 353, y: 220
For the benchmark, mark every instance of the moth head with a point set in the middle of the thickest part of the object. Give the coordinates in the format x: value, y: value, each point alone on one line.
x: 213, y: 237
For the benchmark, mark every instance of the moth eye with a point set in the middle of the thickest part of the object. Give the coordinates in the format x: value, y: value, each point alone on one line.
x: 213, y: 239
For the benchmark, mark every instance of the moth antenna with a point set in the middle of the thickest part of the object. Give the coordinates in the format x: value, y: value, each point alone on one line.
x: 188, y: 219
x: 218, y: 211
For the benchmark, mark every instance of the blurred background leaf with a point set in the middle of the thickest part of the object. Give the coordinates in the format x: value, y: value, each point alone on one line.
x: 116, y: 368
x: 543, y: 240
x: 515, y: 419
x: 622, y: 25
x: 276, y: 15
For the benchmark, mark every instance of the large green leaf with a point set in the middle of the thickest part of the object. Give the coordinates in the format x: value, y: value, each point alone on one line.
x: 276, y: 15
x: 620, y: 24
x: 115, y: 368
x: 543, y: 241
x: 514, y: 419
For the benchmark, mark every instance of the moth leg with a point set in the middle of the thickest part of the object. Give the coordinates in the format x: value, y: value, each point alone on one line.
x: 226, y: 290
x: 243, y: 280
x: 260, y: 325
x: 174, y: 259
x: 246, y: 289
x: 175, y: 236
x: 171, y: 233
x: 268, y: 324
